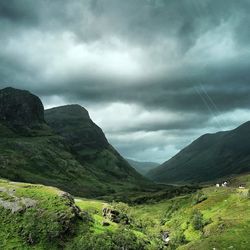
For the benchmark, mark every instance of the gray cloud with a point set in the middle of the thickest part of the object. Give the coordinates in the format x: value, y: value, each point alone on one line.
x: 177, y: 66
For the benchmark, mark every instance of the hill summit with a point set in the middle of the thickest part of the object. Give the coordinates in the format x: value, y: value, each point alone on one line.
x: 73, y: 123
x: 20, y: 109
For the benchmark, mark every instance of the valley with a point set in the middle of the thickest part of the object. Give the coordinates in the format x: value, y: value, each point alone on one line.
x: 209, y: 218
x: 64, y: 186
x: 124, y: 125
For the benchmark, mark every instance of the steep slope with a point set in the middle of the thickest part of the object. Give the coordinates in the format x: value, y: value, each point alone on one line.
x: 142, y: 167
x: 90, y: 144
x: 19, y: 108
x: 30, y: 151
x: 210, y: 157
x: 22, y: 112
x: 73, y: 123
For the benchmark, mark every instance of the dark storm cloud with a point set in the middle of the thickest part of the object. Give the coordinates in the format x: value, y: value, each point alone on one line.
x: 141, y: 20
x: 185, y: 92
x: 188, y: 58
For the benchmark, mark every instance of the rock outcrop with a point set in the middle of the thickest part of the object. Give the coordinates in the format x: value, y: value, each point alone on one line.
x: 20, y: 109
x: 115, y: 216
x: 15, y: 204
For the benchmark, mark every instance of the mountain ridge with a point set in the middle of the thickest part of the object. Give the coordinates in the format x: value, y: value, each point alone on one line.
x: 208, y: 158
x: 82, y: 133
x: 32, y: 152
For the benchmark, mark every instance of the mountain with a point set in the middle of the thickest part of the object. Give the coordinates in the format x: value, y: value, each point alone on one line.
x: 90, y: 145
x: 210, y: 157
x: 31, y: 151
x: 21, y: 111
x: 74, y: 124
x: 142, y: 167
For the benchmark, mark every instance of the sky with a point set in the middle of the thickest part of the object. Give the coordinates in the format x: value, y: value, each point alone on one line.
x: 153, y: 74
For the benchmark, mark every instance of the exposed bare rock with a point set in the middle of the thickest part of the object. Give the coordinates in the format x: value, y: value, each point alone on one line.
x: 14, y: 203
x: 18, y: 204
x: 20, y: 108
x: 115, y: 216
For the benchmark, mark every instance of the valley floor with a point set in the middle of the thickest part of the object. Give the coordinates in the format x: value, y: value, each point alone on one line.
x: 40, y: 217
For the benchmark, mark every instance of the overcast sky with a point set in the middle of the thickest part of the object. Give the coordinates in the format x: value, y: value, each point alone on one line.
x: 154, y: 74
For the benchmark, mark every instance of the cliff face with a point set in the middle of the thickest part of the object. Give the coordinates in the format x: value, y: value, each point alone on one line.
x: 20, y: 109
x: 74, y: 124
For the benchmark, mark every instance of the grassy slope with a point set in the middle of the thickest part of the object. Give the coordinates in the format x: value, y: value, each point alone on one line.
x: 226, y: 211
x: 44, y: 157
x: 46, y: 225
x: 209, y: 157
x: 225, y: 220
x: 90, y: 144
x: 53, y: 223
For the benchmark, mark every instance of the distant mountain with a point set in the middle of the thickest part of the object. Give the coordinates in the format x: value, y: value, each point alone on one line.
x: 142, y: 167
x: 77, y: 157
x: 210, y: 157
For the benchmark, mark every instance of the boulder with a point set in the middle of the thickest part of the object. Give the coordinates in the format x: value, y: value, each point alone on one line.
x: 115, y: 216
x: 105, y: 223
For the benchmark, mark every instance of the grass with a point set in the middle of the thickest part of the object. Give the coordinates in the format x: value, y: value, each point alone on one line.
x: 210, y: 218
x: 38, y: 227
x: 224, y: 221
x: 225, y: 214
x: 46, y: 159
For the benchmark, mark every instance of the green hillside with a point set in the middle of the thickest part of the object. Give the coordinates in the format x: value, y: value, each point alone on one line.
x: 40, y: 217
x: 90, y: 145
x: 84, y: 164
x: 45, y: 159
x: 210, y: 157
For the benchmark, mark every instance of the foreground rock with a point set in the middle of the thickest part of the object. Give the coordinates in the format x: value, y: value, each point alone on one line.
x: 115, y: 216
x: 15, y: 204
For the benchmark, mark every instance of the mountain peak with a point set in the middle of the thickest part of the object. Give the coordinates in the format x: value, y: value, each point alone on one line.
x: 71, y: 110
x: 74, y: 123
x: 20, y: 108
